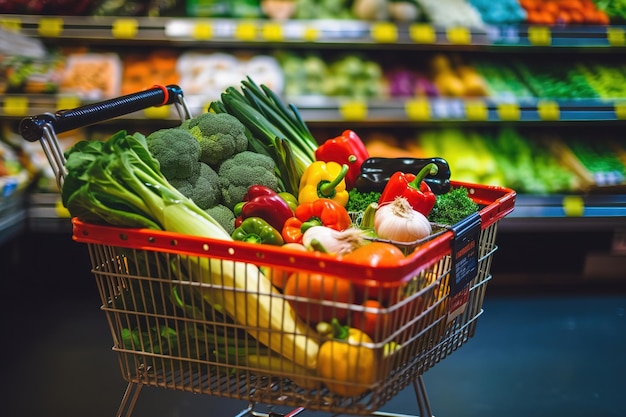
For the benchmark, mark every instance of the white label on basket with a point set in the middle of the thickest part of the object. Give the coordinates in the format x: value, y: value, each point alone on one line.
x: 457, y: 303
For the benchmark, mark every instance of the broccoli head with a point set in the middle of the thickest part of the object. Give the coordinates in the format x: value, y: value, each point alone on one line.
x: 224, y: 216
x: 177, y: 151
x: 241, y: 171
x: 203, y: 188
x: 220, y: 136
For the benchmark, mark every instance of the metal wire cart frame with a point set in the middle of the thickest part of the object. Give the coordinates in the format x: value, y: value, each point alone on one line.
x: 168, y: 322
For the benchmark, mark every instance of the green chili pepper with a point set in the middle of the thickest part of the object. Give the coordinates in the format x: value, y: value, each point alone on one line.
x: 257, y: 230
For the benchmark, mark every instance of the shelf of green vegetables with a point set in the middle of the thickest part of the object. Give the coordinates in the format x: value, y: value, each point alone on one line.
x: 226, y: 254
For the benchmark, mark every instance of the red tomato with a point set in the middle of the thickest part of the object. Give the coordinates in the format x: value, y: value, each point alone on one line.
x: 371, y: 322
x: 376, y: 254
x: 317, y: 288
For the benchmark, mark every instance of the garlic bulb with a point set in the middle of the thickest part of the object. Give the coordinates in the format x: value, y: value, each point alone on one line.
x: 334, y: 241
x: 398, y: 221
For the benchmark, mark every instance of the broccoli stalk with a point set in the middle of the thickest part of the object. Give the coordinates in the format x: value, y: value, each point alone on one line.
x: 118, y: 182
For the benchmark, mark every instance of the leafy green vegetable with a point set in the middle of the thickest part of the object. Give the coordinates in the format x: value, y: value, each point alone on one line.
x: 274, y: 129
x: 358, y: 201
x: 452, y: 207
x: 119, y: 182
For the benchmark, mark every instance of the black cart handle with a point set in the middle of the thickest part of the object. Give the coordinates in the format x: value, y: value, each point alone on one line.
x: 32, y: 128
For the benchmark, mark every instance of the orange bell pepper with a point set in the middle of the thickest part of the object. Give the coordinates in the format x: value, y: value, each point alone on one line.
x: 320, y: 212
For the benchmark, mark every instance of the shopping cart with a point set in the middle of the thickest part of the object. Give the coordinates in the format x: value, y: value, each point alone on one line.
x: 167, y: 335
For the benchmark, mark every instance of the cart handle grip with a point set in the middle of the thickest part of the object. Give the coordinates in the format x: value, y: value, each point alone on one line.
x: 31, y: 128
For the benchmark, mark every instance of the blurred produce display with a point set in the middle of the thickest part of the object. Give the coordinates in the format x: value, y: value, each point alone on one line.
x: 564, y: 12
x: 350, y: 75
x: 143, y: 70
x: 547, y: 80
x: 533, y: 163
x: 470, y: 13
x: 500, y: 12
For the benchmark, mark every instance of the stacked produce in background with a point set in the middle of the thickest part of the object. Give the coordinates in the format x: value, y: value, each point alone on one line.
x: 532, y: 162
x: 474, y: 13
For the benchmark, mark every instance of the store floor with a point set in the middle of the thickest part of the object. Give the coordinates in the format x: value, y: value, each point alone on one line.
x: 548, y: 353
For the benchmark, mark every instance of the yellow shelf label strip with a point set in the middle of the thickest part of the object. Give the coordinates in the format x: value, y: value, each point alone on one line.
x: 548, y: 110
x: 573, y: 206
x: 245, y: 31
x: 476, y: 110
x: 202, y: 31
x: 384, y: 32
x: 509, y: 111
x: 616, y: 36
x: 620, y: 110
x: 459, y: 35
x: 11, y: 24
x: 125, y: 28
x: 311, y: 34
x: 68, y: 102
x: 161, y: 112
x: 540, y: 35
x: 353, y: 110
x: 15, y: 106
x: 418, y: 109
x: 423, y: 33
x: 50, y: 27
x: 273, y: 32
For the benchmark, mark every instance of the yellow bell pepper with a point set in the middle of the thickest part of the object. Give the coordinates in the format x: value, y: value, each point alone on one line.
x: 345, y: 362
x: 324, y: 180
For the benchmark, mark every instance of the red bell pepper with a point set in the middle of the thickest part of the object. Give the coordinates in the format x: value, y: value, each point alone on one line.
x: 345, y: 149
x: 413, y: 188
x: 321, y: 212
x: 263, y: 202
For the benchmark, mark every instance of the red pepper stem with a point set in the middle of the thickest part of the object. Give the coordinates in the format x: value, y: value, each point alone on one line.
x: 327, y: 189
x: 430, y: 169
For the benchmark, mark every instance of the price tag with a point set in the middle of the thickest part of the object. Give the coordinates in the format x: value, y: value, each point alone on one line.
x: 273, y: 32
x: 548, y: 110
x: 459, y: 35
x: 540, y: 35
x: 616, y: 36
x: 11, y: 24
x: 620, y: 110
x: 311, y: 34
x: 125, y: 28
x: 509, y: 111
x: 423, y: 33
x: 476, y: 110
x: 384, y: 32
x: 353, y: 110
x: 573, y: 206
x: 418, y: 109
x: 245, y: 31
x: 50, y: 27
x: 160, y: 112
x: 15, y: 106
x: 68, y: 102
x: 202, y: 31
x: 464, y: 256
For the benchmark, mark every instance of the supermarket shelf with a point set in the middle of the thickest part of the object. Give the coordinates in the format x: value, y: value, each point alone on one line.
x: 531, y: 213
x: 305, y: 32
x: 317, y: 109
x: 567, y: 213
